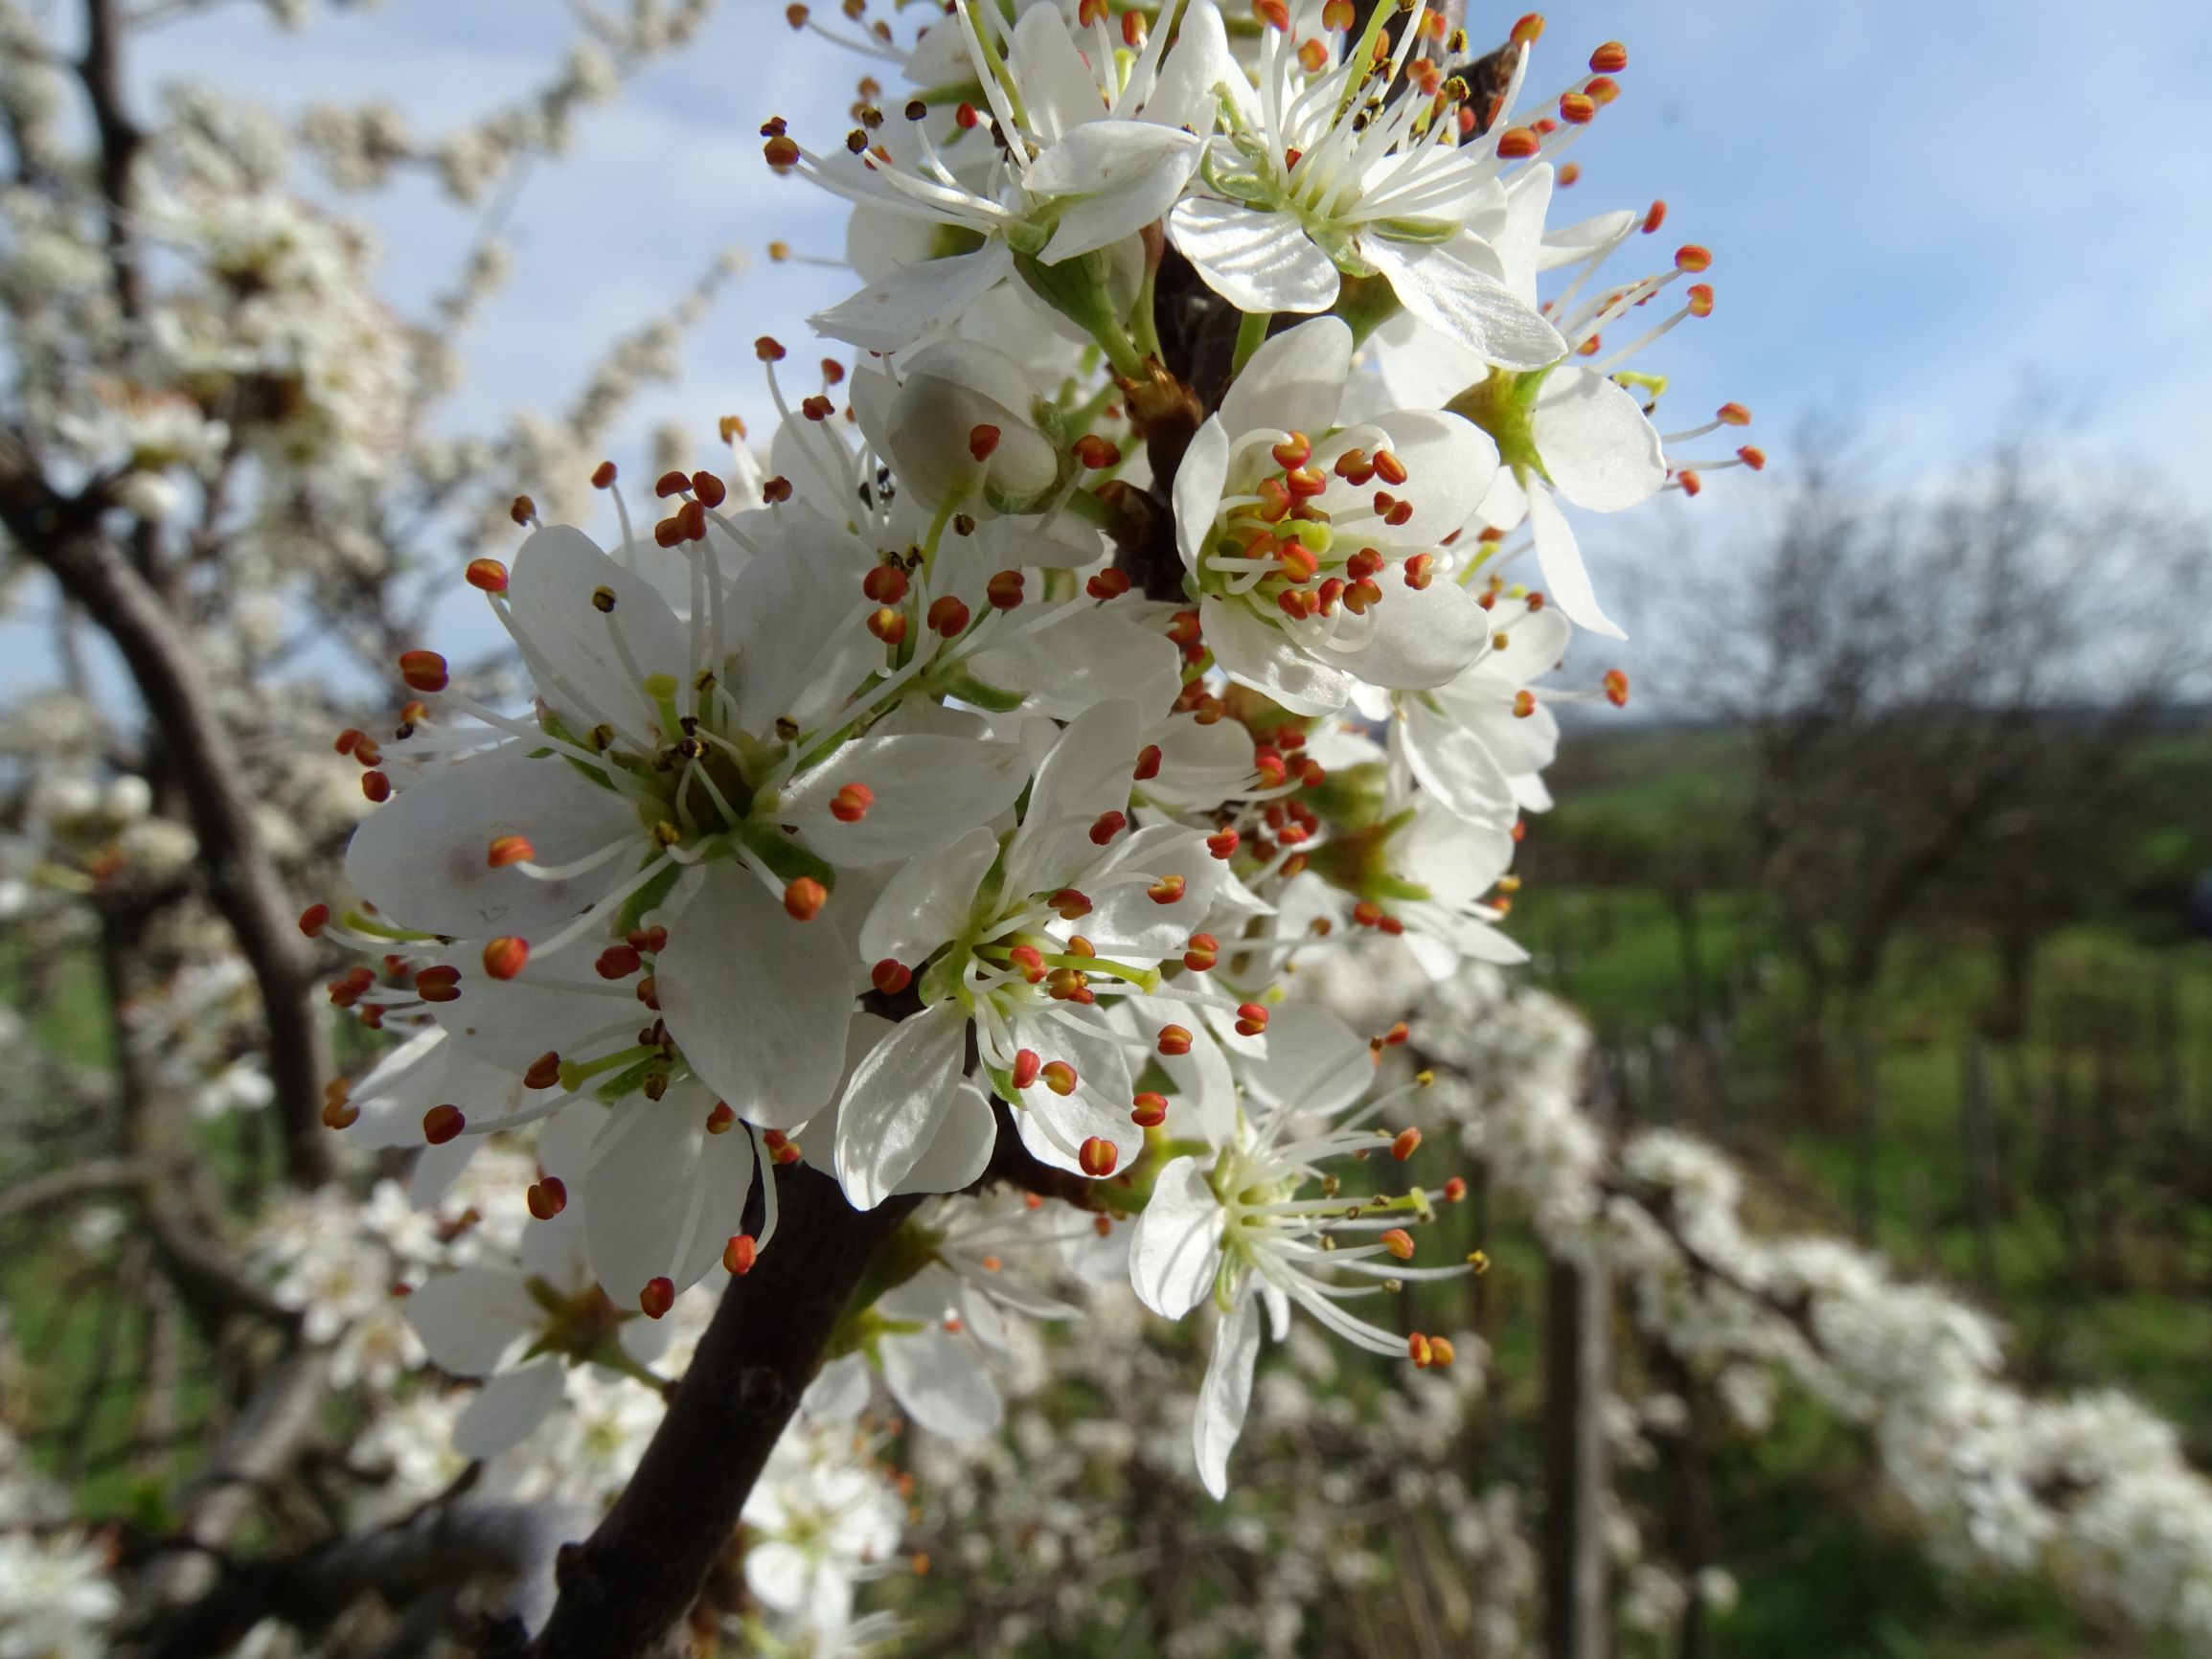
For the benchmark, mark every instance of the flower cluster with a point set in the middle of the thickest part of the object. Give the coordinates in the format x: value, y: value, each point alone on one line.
x: 941, y: 793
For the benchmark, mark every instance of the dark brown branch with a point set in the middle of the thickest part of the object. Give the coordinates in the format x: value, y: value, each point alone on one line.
x: 120, y: 140
x: 63, y: 535
x: 623, y: 1589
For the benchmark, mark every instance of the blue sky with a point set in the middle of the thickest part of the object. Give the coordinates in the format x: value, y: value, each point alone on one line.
x: 1933, y: 214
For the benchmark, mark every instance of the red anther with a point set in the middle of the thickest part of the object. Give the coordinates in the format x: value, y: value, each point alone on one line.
x: 1616, y: 684
x: 1275, y: 13
x: 720, y: 1118
x: 341, y: 1114
x: 315, y: 918
x: 1367, y: 913
x: 1294, y: 453
x: 775, y: 1140
x: 982, y: 440
x: 1296, y: 603
x: 888, y: 626
x: 1107, y: 583
x: 891, y: 976
x: 966, y: 116
x: 1419, y: 1349
x: 1517, y: 144
x: 776, y: 490
x: 1655, y: 216
x: 1313, y: 58
x: 1611, y: 58
x: 885, y: 584
x: 1030, y: 960
x: 1454, y: 1190
x: 817, y: 407
x: 1535, y: 603
x: 1753, y: 457
x: 947, y: 617
x: 1095, y: 452
x: 1399, y: 514
x: 740, y: 1253
x: 377, y: 787
x: 1692, y: 257
x: 804, y: 898
x: 1365, y: 563
x: 1275, y: 500
x: 1222, y: 845
x: 441, y: 1124
x: 833, y: 371
x: 1523, y: 704
x: 1149, y: 1112
x: 768, y: 349
x: 1173, y: 1040
x: 1070, y: 904
x: 1027, y: 1063
x: 668, y: 533
x: 1107, y: 827
x: 1546, y: 127
x: 508, y: 849
x: 617, y: 962
x: 658, y: 1296
x: 1732, y: 415
x: 488, y: 575
x: 1353, y: 466
x: 1419, y: 570
x: 1389, y: 924
x: 1202, y: 953
x: 1602, y: 90
x: 1521, y: 829
x: 1691, y: 485
x: 1402, y: 1147
x: 671, y: 482
x: 1004, y: 590
x: 781, y: 154
x: 547, y: 1197
x: 422, y: 671
x: 1397, y: 1033
x: 1148, y: 764
x: 1298, y: 560
x: 1133, y: 31
x: 1098, y: 1158
x: 1166, y: 890
x: 544, y: 1071
x: 349, y: 739
x: 603, y: 475
x: 850, y: 804
x: 711, y: 490
x: 1251, y: 1019
x: 1389, y: 468
x: 1183, y: 627
x: 1576, y: 109
x: 796, y: 16
x: 503, y: 958
x: 440, y: 983
x: 1059, y: 1077
x: 1399, y: 1242
x: 1305, y: 483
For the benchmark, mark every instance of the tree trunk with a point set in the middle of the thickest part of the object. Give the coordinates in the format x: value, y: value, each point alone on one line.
x: 1576, y: 1616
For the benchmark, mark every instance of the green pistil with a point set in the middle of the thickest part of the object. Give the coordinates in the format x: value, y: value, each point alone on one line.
x: 378, y: 929
x: 575, y: 1074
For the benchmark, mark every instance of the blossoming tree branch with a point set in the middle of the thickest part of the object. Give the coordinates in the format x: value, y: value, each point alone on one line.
x: 933, y: 802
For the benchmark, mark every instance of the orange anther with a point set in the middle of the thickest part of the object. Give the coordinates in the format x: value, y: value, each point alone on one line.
x: 1611, y: 58
x: 441, y: 1124
x: 1402, y: 1147
x: 850, y: 804
x: 488, y: 575
x: 1107, y: 827
x: 1148, y: 1110
x: 1399, y: 1242
x: 1174, y: 1039
x: 804, y: 898
x: 315, y: 918
x: 1251, y: 1019
x: 508, y: 850
x: 503, y: 958
x: 1098, y: 1158
x: 422, y: 671
x: 658, y: 1296
x: 1059, y: 1077
x: 740, y: 1253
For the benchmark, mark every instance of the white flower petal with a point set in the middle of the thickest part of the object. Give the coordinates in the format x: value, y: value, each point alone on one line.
x: 1313, y: 1062
x: 1294, y: 382
x: 1198, y: 485
x: 1227, y: 1394
x: 927, y: 790
x: 839, y: 1391
x: 507, y: 1408
x: 1175, y: 1248
x: 758, y: 1001
x: 1093, y: 654
x: 1441, y: 286
x: 1258, y: 262
x: 960, y: 1151
x: 1421, y: 637
x: 943, y: 1382
x: 1087, y: 774
x: 662, y: 1196
x: 420, y: 857
x: 899, y: 309
x: 1256, y: 653
x: 468, y: 1320
x: 1597, y: 447
x: 569, y: 642
x: 1125, y: 174
x: 1560, y: 557
x: 926, y: 905
x: 892, y: 1110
